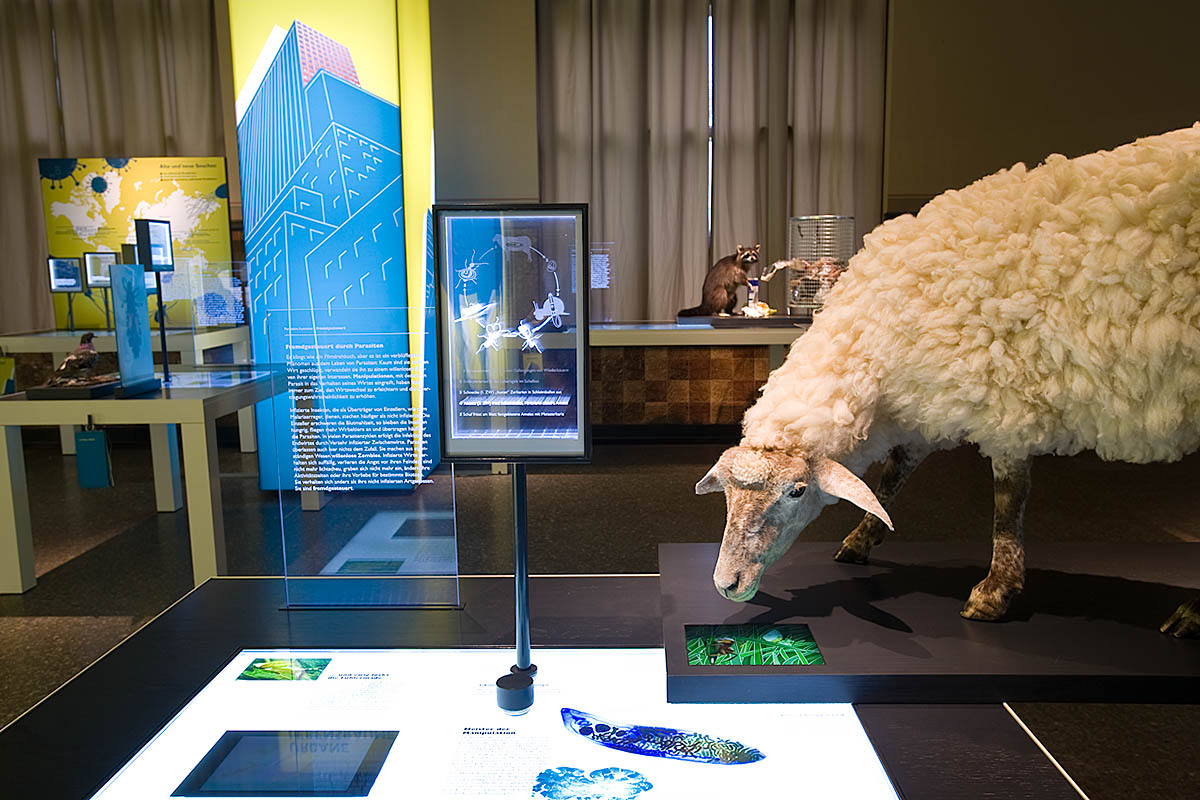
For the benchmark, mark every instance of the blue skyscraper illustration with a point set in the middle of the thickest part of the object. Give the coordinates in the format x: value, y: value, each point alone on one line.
x: 323, y: 213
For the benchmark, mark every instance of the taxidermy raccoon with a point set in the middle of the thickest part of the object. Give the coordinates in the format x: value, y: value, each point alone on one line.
x: 720, y: 285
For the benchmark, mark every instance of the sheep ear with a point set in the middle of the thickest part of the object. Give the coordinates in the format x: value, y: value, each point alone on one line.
x: 838, y: 481
x: 710, y: 482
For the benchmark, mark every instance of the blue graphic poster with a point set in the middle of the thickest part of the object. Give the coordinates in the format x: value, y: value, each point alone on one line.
x: 328, y: 291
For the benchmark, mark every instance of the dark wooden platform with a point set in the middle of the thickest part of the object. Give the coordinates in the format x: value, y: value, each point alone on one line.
x: 1084, y: 630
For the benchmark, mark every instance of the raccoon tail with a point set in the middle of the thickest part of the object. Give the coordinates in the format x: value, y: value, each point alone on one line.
x: 695, y: 311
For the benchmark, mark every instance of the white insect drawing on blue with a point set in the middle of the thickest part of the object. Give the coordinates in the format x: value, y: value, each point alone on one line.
x: 527, y: 330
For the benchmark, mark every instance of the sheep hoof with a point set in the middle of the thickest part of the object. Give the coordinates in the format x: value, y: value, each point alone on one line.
x: 853, y: 552
x: 1185, y: 622
x: 988, y: 601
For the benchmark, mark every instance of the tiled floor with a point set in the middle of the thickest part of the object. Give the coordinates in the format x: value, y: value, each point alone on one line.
x: 106, y: 562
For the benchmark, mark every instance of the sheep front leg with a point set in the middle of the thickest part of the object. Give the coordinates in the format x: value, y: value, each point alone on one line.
x: 990, y: 598
x: 901, y: 462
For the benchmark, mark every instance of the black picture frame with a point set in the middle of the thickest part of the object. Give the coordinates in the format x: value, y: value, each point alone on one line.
x: 442, y: 273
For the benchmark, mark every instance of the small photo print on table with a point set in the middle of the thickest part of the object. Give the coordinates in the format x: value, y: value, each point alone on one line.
x: 284, y: 669
x: 751, y: 645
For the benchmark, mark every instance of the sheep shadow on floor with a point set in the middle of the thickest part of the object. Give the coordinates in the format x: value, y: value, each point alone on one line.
x: 907, y: 608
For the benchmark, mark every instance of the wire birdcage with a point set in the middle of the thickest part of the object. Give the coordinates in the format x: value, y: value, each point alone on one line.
x: 820, y: 248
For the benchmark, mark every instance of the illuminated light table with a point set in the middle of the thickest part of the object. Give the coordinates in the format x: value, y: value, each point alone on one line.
x: 192, y: 405
x: 190, y: 343
x: 100, y: 720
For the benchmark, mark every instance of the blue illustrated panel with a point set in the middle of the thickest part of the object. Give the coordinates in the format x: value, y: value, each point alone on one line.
x: 131, y: 318
x: 324, y: 215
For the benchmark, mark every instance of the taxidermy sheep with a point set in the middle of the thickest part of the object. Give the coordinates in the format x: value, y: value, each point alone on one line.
x: 1046, y: 310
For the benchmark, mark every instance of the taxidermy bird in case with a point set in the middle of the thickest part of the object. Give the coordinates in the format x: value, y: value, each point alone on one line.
x: 78, y: 366
x: 77, y: 377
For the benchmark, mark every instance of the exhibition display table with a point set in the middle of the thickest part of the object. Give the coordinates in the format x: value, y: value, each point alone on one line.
x: 190, y: 343
x: 73, y: 742
x: 192, y: 405
x: 669, y: 374
x: 659, y: 334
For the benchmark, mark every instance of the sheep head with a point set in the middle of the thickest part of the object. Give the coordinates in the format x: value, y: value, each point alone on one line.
x: 770, y: 496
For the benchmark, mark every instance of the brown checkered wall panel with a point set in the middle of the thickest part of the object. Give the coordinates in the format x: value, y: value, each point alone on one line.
x: 678, y: 385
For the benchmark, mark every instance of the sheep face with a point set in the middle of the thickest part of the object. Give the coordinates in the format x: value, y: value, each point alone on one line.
x: 770, y: 496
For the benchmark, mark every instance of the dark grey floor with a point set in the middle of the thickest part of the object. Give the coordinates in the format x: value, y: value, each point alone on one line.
x: 106, y: 563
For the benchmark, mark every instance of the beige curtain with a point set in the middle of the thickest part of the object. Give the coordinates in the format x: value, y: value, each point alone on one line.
x: 799, y: 118
x: 623, y: 126
x: 29, y: 127
x: 622, y: 94
x: 136, y: 78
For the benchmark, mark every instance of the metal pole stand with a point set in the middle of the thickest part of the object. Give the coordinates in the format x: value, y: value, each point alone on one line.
x: 162, y: 326
x: 514, y: 690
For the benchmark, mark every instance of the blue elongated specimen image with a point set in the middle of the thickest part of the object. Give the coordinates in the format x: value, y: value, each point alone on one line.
x: 645, y: 740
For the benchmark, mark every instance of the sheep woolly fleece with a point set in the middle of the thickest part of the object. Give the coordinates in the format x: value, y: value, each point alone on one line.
x: 1045, y: 310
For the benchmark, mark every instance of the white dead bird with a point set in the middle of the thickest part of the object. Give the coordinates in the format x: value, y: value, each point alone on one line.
x: 1052, y: 310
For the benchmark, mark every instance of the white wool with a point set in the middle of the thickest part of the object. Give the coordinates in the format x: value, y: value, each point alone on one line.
x: 749, y: 469
x: 1049, y: 310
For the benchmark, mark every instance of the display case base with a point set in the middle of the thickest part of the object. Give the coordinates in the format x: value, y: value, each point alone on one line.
x: 1084, y: 630
x: 89, y: 392
x: 736, y: 321
x: 138, y: 388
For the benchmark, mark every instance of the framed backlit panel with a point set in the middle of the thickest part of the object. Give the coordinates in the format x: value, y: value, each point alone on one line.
x: 97, y: 265
x: 154, y: 250
x: 513, y: 332
x: 66, y: 275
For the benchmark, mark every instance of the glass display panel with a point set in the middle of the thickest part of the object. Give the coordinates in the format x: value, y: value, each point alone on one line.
x: 131, y: 318
x: 367, y: 515
x: 295, y: 763
x: 451, y: 740
x: 154, y: 244
x: 216, y: 291
x: 512, y: 328
x: 66, y: 275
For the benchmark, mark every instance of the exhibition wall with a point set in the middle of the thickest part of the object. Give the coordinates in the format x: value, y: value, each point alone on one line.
x: 979, y: 86
x: 964, y: 100
x: 90, y: 205
x: 69, y: 92
x: 485, y: 80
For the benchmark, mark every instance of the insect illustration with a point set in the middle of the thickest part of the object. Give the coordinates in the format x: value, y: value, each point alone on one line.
x: 491, y: 337
x: 531, y: 339
x: 470, y: 271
